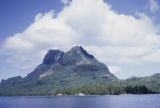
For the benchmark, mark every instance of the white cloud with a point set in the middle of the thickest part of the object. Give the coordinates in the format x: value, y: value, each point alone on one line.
x: 112, y: 37
x: 154, y: 7
x: 114, y: 69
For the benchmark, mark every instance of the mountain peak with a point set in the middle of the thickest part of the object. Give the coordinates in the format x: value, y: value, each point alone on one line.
x: 53, y: 56
x: 75, y: 55
x: 76, y: 48
x: 81, y: 50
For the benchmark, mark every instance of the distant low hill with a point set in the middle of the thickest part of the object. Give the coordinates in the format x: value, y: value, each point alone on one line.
x: 151, y: 82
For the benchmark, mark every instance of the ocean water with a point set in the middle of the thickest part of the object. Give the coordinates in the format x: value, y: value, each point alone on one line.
x: 110, y: 101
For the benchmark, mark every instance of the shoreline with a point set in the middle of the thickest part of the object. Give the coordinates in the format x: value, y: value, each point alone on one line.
x: 86, y: 95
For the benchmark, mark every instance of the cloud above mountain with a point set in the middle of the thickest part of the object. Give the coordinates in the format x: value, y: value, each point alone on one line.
x: 114, y: 38
x: 154, y: 6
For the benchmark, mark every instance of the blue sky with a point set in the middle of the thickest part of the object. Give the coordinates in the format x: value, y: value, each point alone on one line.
x: 20, y: 22
x: 16, y: 15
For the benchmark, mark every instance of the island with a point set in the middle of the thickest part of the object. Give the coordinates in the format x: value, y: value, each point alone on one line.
x: 77, y: 73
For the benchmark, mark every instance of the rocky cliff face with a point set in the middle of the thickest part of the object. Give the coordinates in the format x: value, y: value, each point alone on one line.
x: 77, y: 55
x: 53, y: 57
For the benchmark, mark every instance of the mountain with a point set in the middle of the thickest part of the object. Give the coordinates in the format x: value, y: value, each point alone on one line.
x: 58, y: 70
x: 75, y: 71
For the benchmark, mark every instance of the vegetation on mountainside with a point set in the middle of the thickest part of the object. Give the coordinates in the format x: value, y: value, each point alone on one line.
x: 133, y: 85
x: 105, y: 89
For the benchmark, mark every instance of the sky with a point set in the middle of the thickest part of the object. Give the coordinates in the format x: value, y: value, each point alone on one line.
x: 123, y: 34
